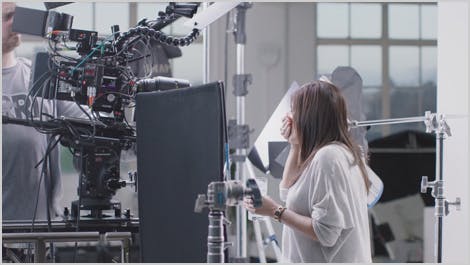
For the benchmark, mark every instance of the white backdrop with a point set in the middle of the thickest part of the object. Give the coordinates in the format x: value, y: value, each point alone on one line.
x: 453, y: 98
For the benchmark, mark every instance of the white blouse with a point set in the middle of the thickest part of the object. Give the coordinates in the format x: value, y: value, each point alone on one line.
x: 332, y: 192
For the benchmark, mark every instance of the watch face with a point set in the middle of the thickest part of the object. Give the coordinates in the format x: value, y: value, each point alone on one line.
x: 278, y: 213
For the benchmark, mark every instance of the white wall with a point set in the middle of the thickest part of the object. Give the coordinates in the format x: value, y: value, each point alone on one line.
x: 276, y: 54
x: 453, y: 98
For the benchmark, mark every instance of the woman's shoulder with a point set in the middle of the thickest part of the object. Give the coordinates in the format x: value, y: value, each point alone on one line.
x: 330, y: 159
x: 332, y: 151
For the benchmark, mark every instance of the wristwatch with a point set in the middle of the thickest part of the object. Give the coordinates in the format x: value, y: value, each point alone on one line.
x: 278, y: 213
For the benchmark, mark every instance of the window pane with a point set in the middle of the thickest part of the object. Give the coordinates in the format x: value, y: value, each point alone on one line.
x: 429, y: 64
x: 332, y: 20
x: 429, y: 78
x: 32, y: 5
x: 366, y: 20
x: 403, y: 21
x: 178, y: 28
x: 82, y: 15
x: 428, y: 22
x: 404, y: 66
x: 150, y: 11
x: 406, y: 102
x: 429, y: 97
x: 189, y: 65
x: 372, y: 101
x: 367, y: 60
x: 372, y: 107
x: 330, y: 57
x: 108, y: 14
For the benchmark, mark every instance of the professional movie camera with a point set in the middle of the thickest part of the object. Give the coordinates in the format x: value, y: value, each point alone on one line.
x: 96, y: 72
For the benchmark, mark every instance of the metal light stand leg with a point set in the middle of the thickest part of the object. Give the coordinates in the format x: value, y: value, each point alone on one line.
x: 441, y: 204
x: 439, y: 200
x: 259, y: 240
x: 271, y: 239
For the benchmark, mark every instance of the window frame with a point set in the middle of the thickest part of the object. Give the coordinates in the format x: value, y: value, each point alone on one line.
x: 385, y: 42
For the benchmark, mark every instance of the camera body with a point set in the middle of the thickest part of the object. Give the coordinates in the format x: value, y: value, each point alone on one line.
x: 99, y: 84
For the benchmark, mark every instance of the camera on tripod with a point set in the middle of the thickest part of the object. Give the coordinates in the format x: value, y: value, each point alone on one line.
x: 99, y: 75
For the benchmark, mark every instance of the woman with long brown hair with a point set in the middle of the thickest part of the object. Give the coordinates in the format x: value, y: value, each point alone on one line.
x: 324, y: 182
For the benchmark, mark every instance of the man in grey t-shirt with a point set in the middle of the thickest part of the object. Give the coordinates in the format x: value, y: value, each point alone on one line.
x: 23, y: 147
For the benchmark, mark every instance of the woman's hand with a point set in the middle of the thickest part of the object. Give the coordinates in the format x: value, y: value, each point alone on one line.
x: 292, y: 167
x: 288, y: 130
x: 268, y: 207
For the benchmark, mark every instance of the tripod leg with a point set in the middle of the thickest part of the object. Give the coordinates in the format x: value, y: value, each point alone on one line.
x: 259, y: 240
x: 273, y: 239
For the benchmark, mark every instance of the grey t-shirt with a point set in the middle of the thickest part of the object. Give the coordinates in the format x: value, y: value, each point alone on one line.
x: 332, y: 192
x: 23, y: 147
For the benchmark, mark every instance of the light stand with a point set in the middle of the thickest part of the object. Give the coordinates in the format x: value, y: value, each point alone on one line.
x: 438, y: 125
x: 238, y: 130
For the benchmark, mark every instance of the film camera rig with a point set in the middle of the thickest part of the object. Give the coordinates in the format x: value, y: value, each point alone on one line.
x: 102, y: 78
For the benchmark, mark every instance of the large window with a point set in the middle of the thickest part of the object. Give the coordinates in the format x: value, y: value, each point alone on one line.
x: 393, y: 48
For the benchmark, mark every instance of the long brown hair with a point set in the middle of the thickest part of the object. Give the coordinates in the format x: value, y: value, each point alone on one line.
x: 320, y: 117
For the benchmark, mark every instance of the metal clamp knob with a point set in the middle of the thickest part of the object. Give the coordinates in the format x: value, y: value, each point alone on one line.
x: 430, y: 121
x: 456, y: 203
x: 200, y: 203
x: 424, y: 184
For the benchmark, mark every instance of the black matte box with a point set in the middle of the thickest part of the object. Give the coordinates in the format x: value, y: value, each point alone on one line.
x: 29, y: 21
x: 179, y: 152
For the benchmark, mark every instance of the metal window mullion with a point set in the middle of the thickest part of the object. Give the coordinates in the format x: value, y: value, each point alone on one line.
x: 286, y: 45
x: 413, y: 42
x: 315, y: 42
x: 385, y: 70
x: 93, y: 15
x: 206, y: 51
x: 395, y: 42
x: 132, y: 14
x: 349, y: 35
x: 420, y: 65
